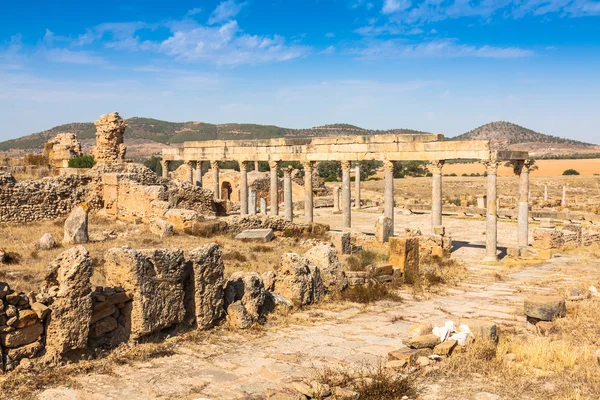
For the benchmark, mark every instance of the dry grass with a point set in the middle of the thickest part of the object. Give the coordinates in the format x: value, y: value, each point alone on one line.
x: 435, y: 273
x: 365, y: 294
x: 562, y: 366
x: 364, y: 258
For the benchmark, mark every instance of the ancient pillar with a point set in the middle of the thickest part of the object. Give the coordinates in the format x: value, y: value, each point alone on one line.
x: 243, y: 188
x: 563, y: 202
x: 308, y: 192
x: 336, y: 199
x: 263, y: 206
x: 546, y: 192
x: 251, y: 201
x: 190, y: 172
x: 436, y: 193
x: 274, y: 188
x: 256, y: 166
x: 357, y: 186
x: 287, y: 194
x: 523, y: 168
x: 491, y: 240
x: 346, y: 198
x: 214, y: 165
x: 165, y: 168
x: 199, y: 173
x: 388, y: 199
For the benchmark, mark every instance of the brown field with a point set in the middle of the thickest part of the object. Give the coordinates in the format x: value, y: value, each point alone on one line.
x: 588, y: 167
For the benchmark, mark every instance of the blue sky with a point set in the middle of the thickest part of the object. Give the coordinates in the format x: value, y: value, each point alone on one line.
x: 444, y: 66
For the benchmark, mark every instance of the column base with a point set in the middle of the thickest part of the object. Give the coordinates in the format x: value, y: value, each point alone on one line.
x: 490, y: 258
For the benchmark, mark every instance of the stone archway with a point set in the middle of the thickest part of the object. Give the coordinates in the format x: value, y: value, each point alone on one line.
x: 226, y: 191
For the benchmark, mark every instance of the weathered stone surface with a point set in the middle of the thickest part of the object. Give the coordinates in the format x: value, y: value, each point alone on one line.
x: 238, y: 317
x: 4, y: 290
x: 46, y: 242
x: 384, y: 227
x: 247, y: 288
x: 445, y: 348
x: 483, y: 329
x: 331, y: 270
x: 424, y: 341
x: 40, y: 309
x: 76, y: 226
x: 103, y: 326
x: 60, y: 149
x: 547, y: 239
x: 404, y: 254
x: 161, y: 228
x: 295, y: 280
x: 258, y: 235
x: 268, y: 278
x: 408, y: 355
x: 26, y: 351
x: 154, y: 278
x: 23, y: 336
x: 26, y: 318
x: 109, y: 148
x: 207, y: 284
x: 341, y: 242
x: 68, y: 282
x: 424, y: 328
x: 545, y: 308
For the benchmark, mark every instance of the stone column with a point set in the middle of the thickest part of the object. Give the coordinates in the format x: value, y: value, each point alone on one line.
x: 190, y: 177
x: 243, y: 188
x: 251, y: 201
x: 546, y: 192
x: 357, y: 186
x: 336, y: 199
x: 214, y: 166
x: 388, y: 197
x: 165, y: 168
x: 436, y: 193
x: 263, y: 206
x: 274, y: 188
x: 256, y: 166
x: 563, y: 202
x: 523, y: 168
x: 308, y: 192
x: 287, y: 194
x: 491, y: 239
x: 199, y: 173
x: 346, y: 198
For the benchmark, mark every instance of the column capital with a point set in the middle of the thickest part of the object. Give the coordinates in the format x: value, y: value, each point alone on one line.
x: 388, y: 166
x: 491, y: 167
x: 287, y: 172
x: 244, y: 165
x: 190, y: 163
x: 274, y: 164
x: 308, y: 165
x: 346, y: 165
x: 435, y: 167
x: 214, y: 164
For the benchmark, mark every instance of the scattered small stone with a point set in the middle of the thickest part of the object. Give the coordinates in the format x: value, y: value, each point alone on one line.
x: 423, y: 361
x: 545, y: 328
x: 46, y: 242
x: 578, y: 294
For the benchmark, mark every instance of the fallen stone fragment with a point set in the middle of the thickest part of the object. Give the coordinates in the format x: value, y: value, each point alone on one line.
x: 46, y: 242
x: 483, y: 329
x: 423, y: 341
x: 408, y: 355
x: 76, y: 226
x: 545, y: 308
x: 238, y: 317
x: 258, y: 235
x: 343, y: 393
x: 26, y: 318
x: 161, y: 228
x: 445, y: 348
x: 396, y: 364
x: 423, y: 361
x: 424, y: 328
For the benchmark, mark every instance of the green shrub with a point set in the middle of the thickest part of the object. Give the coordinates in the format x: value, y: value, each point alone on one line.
x: 571, y: 172
x: 84, y: 161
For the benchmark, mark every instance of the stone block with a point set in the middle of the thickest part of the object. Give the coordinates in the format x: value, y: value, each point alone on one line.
x: 204, y: 289
x: 161, y: 228
x: 547, y: 239
x: 297, y: 281
x: 545, y: 308
x: 331, y: 270
x: 154, y: 278
x: 384, y: 228
x: 21, y: 337
x: 341, y: 242
x: 76, y: 226
x: 256, y: 235
x: 423, y: 341
x: 482, y: 329
x: 385, y: 269
x: 409, y: 355
x: 424, y: 328
x: 404, y: 254
x: 445, y: 348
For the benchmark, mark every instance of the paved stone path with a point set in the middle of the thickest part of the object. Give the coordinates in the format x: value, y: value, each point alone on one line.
x: 230, y: 365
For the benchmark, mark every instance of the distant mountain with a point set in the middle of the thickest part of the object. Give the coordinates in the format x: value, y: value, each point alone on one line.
x: 509, y: 136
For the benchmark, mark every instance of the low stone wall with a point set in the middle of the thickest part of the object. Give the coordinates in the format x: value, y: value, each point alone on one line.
x: 43, y: 199
x: 570, y: 235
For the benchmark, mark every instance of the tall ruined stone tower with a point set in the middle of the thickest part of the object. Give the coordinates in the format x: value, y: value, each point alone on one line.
x: 110, y: 148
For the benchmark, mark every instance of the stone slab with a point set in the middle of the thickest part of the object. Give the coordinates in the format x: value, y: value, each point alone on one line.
x: 259, y: 235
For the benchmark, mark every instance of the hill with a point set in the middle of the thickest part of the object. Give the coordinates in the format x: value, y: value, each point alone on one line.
x: 509, y: 136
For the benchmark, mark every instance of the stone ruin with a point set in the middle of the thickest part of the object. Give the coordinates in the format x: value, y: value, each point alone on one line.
x: 60, y: 149
x: 150, y: 291
x: 110, y: 148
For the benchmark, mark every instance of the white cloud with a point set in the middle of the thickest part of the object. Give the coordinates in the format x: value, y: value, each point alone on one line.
x: 328, y: 50
x: 392, y: 6
x: 226, y: 45
x: 395, y: 49
x: 72, y: 57
x: 225, y: 11
x: 330, y: 35
x: 193, y: 12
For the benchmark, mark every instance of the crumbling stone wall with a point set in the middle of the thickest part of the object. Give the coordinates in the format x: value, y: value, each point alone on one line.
x: 60, y: 149
x: 110, y: 148
x: 43, y: 199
